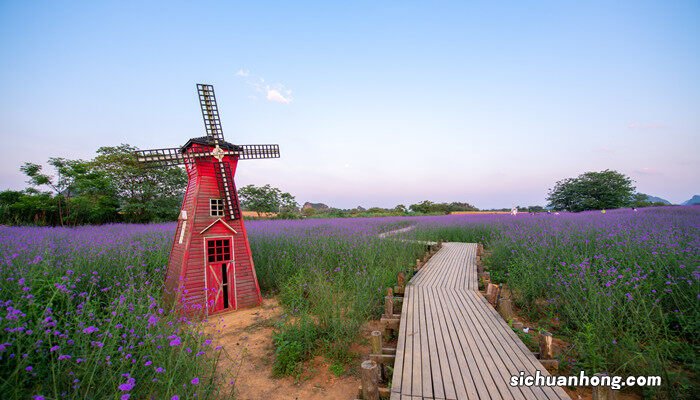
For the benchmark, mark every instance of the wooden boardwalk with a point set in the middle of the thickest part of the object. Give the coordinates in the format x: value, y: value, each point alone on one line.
x: 452, y: 343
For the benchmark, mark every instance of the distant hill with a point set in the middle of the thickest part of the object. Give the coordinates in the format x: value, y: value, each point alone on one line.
x: 654, y: 199
x: 315, y: 206
x: 695, y: 200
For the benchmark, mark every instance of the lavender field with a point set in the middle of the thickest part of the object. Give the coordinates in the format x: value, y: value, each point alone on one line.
x: 82, y: 317
x: 622, y: 287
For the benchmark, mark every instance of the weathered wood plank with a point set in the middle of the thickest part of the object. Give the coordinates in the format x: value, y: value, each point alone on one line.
x: 416, y: 382
x: 452, y: 343
x: 434, y: 352
x: 426, y: 373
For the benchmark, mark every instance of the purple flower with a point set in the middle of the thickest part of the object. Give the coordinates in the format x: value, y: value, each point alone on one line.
x: 90, y: 329
x: 130, y: 383
x: 195, y: 381
x: 29, y: 368
x: 175, y: 397
x: 160, y: 370
x: 175, y: 340
x: 38, y: 397
x: 55, y: 348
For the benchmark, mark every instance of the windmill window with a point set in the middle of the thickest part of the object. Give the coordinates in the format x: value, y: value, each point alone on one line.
x: 219, y: 250
x: 216, y: 207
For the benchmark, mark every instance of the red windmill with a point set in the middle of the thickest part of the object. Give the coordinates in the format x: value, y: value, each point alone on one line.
x: 210, y: 264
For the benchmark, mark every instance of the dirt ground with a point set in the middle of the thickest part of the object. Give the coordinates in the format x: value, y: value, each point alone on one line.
x: 247, y: 337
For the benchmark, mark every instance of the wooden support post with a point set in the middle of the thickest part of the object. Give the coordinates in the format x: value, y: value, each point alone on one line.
x: 505, y: 309
x: 370, y: 380
x: 439, y: 244
x: 389, y: 303
x: 517, y: 324
x: 376, y: 340
x: 546, y: 352
x: 492, y: 294
x: 417, y: 264
x: 603, y: 392
x: 479, y: 249
x: 550, y: 365
x: 401, y: 281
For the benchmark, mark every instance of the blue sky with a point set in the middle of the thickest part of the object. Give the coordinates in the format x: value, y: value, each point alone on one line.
x: 372, y: 103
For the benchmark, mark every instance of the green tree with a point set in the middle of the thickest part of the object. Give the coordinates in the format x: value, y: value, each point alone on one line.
x: 592, y: 191
x: 401, y: 209
x: 143, y: 194
x: 266, y: 199
x: 425, y: 207
x: 62, y: 183
x: 80, y: 194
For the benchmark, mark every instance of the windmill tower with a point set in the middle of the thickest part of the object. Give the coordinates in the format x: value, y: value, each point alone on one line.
x: 210, y: 266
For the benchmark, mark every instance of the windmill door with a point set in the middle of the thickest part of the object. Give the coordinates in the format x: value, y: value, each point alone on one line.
x: 221, y: 286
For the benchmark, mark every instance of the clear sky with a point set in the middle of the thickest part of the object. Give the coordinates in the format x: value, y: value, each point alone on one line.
x: 372, y: 103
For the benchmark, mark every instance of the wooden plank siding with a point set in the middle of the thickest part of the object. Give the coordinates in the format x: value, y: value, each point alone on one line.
x: 452, y: 344
x: 186, y: 267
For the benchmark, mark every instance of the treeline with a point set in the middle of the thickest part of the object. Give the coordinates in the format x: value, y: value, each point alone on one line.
x: 426, y: 207
x: 112, y: 187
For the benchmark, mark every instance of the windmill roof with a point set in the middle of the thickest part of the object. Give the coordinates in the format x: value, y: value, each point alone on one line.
x: 208, y: 141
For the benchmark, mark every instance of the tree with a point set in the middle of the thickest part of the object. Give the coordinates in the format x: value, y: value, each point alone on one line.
x: 401, y: 209
x: 267, y: 199
x: 144, y: 194
x: 592, y: 191
x: 425, y: 206
x: 62, y: 184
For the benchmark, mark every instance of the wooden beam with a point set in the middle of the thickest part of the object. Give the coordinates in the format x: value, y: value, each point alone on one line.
x: 390, y: 323
x: 384, y: 393
x: 383, y: 358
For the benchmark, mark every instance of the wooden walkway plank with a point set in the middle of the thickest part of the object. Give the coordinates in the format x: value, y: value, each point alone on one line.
x: 519, y: 356
x: 437, y: 383
x: 452, y: 344
x: 467, y: 365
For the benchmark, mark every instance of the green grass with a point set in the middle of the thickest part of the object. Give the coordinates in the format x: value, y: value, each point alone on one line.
x: 329, y: 285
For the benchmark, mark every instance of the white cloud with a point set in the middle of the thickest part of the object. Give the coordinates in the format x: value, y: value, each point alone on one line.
x: 276, y: 93
x: 275, y: 96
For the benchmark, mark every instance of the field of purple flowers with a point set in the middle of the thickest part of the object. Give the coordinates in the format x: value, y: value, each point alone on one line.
x: 80, y: 317
x: 81, y: 314
x: 623, y: 287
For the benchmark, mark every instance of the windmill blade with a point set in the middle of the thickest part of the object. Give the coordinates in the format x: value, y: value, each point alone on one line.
x: 259, y: 151
x: 162, y: 157
x: 210, y: 112
x: 227, y: 188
